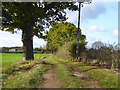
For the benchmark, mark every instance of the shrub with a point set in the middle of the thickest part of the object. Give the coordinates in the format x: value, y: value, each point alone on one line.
x: 73, y: 48
x: 42, y: 51
x: 68, y: 50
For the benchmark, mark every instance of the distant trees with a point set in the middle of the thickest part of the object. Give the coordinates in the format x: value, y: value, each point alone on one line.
x: 6, y: 49
x: 91, y: 53
x: 61, y: 33
x: 97, y: 45
x: 40, y: 50
x: 103, y: 54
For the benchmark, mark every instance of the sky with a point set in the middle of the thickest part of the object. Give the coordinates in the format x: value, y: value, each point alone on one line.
x: 99, y: 22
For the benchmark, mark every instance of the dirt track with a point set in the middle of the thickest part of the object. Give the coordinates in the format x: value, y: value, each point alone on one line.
x: 89, y: 82
x: 50, y: 80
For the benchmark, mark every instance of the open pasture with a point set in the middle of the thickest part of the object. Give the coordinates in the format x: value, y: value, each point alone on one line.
x: 8, y: 58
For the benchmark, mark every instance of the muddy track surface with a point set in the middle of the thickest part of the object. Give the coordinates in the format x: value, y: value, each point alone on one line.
x: 50, y: 80
x: 89, y: 82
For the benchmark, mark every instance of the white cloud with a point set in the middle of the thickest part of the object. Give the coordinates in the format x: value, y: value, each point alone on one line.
x: 97, y: 29
x: 93, y: 28
x: 7, y: 39
x: 93, y: 11
x: 37, y: 42
x: 102, y: 29
x: 90, y: 40
x: 72, y: 16
x: 10, y: 40
x: 115, y: 33
x: 88, y: 11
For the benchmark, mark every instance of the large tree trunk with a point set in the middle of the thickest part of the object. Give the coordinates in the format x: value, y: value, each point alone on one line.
x: 27, y: 39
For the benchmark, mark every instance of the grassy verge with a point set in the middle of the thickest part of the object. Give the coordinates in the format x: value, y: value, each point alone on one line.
x: 29, y: 79
x: 24, y: 74
x: 18, y: 65
x: 107, y: 79
x: 65, y: 75
x: 41, y: 55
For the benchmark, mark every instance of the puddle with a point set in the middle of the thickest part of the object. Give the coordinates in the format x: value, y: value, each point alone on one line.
x: 89, y: 82
x: 81, y: 75
x: 78, y: 75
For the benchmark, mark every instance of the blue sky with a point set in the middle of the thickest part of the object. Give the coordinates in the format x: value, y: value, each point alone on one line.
x: 99, y: 22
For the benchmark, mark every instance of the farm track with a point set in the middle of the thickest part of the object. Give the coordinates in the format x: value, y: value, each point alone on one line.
x: 89, y: 82
x: 50, y: 80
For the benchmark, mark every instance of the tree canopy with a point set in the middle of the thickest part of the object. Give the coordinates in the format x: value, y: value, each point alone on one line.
x: 61, y: 33
x: 38, y: 15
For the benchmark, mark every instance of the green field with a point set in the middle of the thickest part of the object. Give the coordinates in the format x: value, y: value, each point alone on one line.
x: 11, y: 58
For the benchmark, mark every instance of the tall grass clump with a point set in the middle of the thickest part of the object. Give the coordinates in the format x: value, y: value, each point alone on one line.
x: 69, y: 50
x: 28, y: 79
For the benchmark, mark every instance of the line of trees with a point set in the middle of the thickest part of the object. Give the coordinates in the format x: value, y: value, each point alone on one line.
x: 20, y: 50
x: 6, y: 49
x: 105, y: 55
